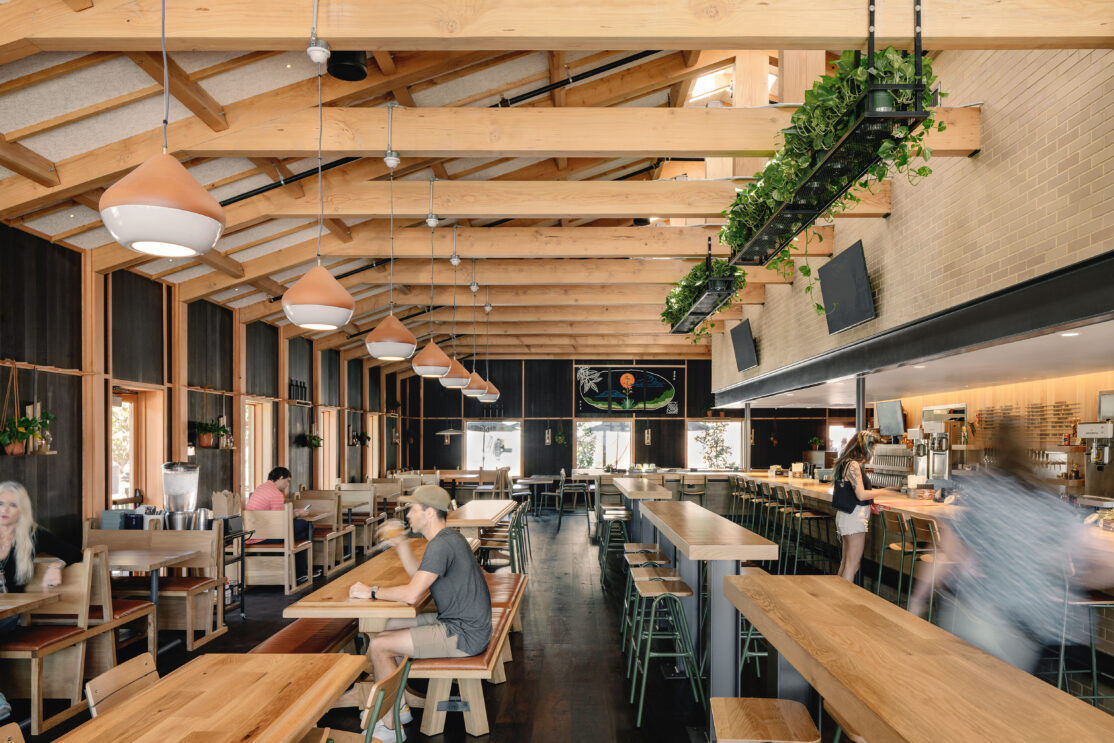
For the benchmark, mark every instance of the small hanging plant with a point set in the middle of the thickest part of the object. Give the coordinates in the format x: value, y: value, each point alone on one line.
x: 690, y: 288
x: 312, y: 440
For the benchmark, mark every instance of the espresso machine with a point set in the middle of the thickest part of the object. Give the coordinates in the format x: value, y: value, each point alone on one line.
x: 937, y: 458
x: 1098, y: 437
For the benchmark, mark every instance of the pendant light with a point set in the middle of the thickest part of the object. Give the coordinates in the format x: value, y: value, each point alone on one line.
x: 491, y: 394
x: 431, y: 361
x: 476, y: 385
x: 317, y: 301
x: 457, y: 377
x: 159, y: 208
x: 391, y: 341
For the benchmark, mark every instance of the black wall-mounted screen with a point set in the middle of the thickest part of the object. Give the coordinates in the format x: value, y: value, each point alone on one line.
x: 891, y: 421
x: 846, y: 287
x: 742, y: 340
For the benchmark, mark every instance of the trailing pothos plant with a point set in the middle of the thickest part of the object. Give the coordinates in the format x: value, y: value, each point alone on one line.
x: 690, y: 288
x: 831, y: 107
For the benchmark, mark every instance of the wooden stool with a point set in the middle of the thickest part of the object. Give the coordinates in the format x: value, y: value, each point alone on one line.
x: 640, y: 547
x: 762, y: 721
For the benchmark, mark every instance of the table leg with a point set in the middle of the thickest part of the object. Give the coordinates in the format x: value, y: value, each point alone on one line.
x: 723, y: 632
x: 636, y: 519
x: 690, y: 574
x: 155, y: 587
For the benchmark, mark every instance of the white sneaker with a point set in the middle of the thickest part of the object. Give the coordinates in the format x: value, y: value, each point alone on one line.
x: 404, y: 715
x: 386, y: 734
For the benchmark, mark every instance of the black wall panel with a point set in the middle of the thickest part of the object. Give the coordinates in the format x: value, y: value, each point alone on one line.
x: 54, y: 482
x: 539, y: 459
x: 214, y: 465
x: 261, y: 357
x: 209, y: 338
x: 548, y: 389
x: 393, y: 395
x: 436, y: 454
x: 780, y: 441
x: 507, y: 376
x: 390, y: 448
x: 40, y: 301
x: 667, y: 443
x: 353, y: 460
x: 330, y: 377
x: 354, y: 378
x: 373, y: 384
x: 440, y: 402
x: 301, y: 456
x: 411, y: 443
x: 137, y: 328
x: 412, y: 397
x: 300, y: 368
x: 698, y: 386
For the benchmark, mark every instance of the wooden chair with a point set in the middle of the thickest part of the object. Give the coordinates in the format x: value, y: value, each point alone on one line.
x: 48, y: 662
x: 358, y: 510
x: 485, y: 484
x: 274, y: 564
x: 11, y: 733
x: 386, y: 692
x: 120, y: 683
x: 110, y: 615
x: 334, y: 542
x: 694, y: 486
x: 750, y: 720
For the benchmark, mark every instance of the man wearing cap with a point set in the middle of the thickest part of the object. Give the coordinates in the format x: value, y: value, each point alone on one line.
x: 449, y: 571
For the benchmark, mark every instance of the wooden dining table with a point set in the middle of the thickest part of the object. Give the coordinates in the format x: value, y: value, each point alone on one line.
x: 635, y: 490
x: 222, y: 698
x: 480, y: 513
x: 892, y: 676
x: 20, y: 603
x: 700, y: 535
x: 149, y: 561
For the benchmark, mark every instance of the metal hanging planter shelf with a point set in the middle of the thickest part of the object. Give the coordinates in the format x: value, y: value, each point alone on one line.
x: 837, y: 170
x: 717, y: 292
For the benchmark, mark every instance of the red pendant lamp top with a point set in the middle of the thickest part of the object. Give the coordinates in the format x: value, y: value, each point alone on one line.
x: 319, y: 287
x: 391, y: 330
x: 162, y: 181
x: 476, y: 385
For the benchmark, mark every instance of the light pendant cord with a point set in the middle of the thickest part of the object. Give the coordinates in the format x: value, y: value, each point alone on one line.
x: 487, y: 339
x: 165, y: 82
x: 454, y: 295
x: 473, y: 318
x: 431, y: 263
x: 391, y: 289
x: 320, y: 180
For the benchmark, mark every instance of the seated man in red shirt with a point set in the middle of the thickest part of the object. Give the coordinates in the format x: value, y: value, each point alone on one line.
x: 271, y: 496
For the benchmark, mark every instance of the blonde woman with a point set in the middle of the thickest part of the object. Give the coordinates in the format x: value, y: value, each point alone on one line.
x: 852, y: 527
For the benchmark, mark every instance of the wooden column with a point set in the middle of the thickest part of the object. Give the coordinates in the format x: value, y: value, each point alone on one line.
x: 318, y: 478
x: 239, y: 388
x: 752, y: 88
x: 179, y: 394
x: 282, y: 424
x: 797, y: 71
x: 365, y: 452
x: 94, y: 391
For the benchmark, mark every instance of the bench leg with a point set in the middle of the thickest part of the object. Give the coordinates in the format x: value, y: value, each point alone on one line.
x: 433, y: 719
x: 498, y: 673
x: 507, y: 657
x: 475, y: 718
x: 516, y: 623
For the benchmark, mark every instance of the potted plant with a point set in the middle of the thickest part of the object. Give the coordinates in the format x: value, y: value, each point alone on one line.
x: 363, y: 437
x: 313, y: 440
x: 560, y: 438
x: 16, y: 432
x: 207, y: 431
x: 816, y: 442
x: 714, y: 286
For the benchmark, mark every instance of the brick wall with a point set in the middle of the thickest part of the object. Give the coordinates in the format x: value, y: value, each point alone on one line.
x: 1039, y: 196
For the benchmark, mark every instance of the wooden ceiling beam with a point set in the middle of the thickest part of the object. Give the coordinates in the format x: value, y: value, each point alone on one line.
x: 269, y: 286
x: 27, y: 163
x: 572, y: 24
x: 273, y: 168
x: 385, y: 61
x: 187, y: 92
x: 219, y: 261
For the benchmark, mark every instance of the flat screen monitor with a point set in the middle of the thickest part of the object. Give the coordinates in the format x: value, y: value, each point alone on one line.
x: 746, y: 356
x: 891, y: 421
x: 846, y: 288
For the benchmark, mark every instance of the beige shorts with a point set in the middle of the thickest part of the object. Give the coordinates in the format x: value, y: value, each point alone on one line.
x: 855, y: 522
x: 431, y: 639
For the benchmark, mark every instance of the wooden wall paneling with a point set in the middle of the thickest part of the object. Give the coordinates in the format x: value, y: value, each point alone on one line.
x: 667, y: 442
x: 299, y: 456
x: 261, y: 344
x: 353, y: 454
x: 698, y: 388
x: 40, y: 301
x: 412, y: 442
x: 436, y: 454
x: 329, y: 387
x: 539, y: 459
x: 300, y: 368
x: 94, y: 391
x: 507, y: 375
x: 783, y: 440
x: 375, y: 389
x: 354, y: 380
x: 209, y: 361
x: 179, y: 361
x: 392, y: 395
x: 412, y: 397
x: 547, y: 388
x: 390, y: 446
x: 440, y: 402
x: 215, y: 465
x: 137, y: 328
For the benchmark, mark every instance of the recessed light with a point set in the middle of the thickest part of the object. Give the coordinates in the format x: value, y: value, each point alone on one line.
x: 1069, y: 335
x: 919, y: 366
x: 788, y: 394
x: 288, y: 66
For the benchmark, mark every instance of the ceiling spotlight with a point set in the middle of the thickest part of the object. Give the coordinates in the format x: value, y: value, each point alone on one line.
x: 318, y: 50
x: 1068, y: 335
x: 474, y: 286
x: 431, y: 220
x: 349, y: 66
x: 487, y: 307
x: 455, y: 260
x: 391, y: 159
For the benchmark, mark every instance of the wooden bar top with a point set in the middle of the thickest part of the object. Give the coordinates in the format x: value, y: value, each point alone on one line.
x: 895, y: 677
x: 701, y: 534
x: 219, y: 698
x: 18, y: 603
x: 638, y: 488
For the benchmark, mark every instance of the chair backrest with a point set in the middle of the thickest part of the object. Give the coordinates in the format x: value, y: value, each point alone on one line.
x: 119, y: 684
x: 355, y: 486
x: 75, y: 591
x: 692, y: 483
x: 227, y: 503
x: 386, y: 691
x: 209, y: 543
x: 924, y: 530
x: 272, y: 524
x: 323, y: 501
x: 893, y: 523
x: 11, y: 733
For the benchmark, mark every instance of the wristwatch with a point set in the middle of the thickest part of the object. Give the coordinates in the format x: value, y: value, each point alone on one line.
x: 374, y: 590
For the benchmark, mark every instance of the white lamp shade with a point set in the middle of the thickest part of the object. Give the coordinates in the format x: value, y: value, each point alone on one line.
x: 431, y: 362
x: 491, y: 394
x: 476, y: 386
x: 457, y: 376
x: 391, y: 341
x: 160, y: 209
x: 317, y: 301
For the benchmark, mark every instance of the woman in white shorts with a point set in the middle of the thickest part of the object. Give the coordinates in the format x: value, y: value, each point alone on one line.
x: 852, y: 527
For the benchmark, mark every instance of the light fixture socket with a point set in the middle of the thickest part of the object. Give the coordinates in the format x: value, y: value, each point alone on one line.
x: 487, y: 308
x: 432, y: 220
x: 350, y: 66
x: 391, y: 159
x: 455, y: 260
x: 474, y: 287
x: 318, y: 50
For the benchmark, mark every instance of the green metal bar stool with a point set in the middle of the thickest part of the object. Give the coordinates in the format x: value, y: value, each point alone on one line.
x: 694, y: 487
x: 664, y: 598
x: 647, y: 569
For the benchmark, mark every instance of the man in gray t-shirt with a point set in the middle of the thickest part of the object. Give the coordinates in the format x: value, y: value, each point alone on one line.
x: 449, y: 571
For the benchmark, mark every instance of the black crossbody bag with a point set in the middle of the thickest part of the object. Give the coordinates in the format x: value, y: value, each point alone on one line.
x: 843, y: 497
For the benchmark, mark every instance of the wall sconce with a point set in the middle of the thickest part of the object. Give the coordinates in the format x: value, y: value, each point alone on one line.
x: 646, y: 437
x: 548, y: 437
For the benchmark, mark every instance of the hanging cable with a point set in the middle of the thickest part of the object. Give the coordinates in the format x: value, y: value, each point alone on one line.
x: 454, y: 294
x: 320, y: 180
x: 487, y: 337
x: 432, y: 258
x: 473, y: 317
x: 165, y: 82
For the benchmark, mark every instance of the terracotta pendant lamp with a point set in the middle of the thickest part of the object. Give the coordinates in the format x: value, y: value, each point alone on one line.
x: 159, y: 208
x: 458, y: 376
x: 476, y: 385
x: 391, y: 341
x: 491, y: 394
x: 431, y: 362
x: 317, y: 301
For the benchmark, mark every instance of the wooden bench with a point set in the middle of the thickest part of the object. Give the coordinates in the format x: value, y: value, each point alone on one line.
x: 749, y: 720
x: 506, y: 590
x: 468, y: 673
x: 308, y: 636
x: 274, y: 564
x: 358, y: 507
x: 334, y: 542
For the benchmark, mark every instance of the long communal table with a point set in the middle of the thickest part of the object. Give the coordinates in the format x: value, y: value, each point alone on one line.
x: 476, y: 514
x: 894, y: 677
x: 634, y: 491
x: 12, y: 604
x: 698, y: 534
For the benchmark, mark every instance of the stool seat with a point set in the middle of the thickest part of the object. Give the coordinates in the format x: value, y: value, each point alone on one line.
x: 654, y: 574
x: 638, y: 559
x: 762, y: 721
x: 649, y: 589
x: 640, y: 547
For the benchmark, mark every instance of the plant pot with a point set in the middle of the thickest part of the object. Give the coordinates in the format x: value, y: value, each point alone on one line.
x: 881, y: 100
x: 14, y: 449
x: 205, y: 440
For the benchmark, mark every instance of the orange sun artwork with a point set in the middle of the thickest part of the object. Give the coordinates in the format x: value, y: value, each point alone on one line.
x: 627, y: 381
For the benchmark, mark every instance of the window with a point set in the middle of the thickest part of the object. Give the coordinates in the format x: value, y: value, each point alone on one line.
x: 715, y: 445
x: 838, y: 436
x: 489, y: 445
x: 123, y: 459
x: 600, y: 443
x: 329, y: 449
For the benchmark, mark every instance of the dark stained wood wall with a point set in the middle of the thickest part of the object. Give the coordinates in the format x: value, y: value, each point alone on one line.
x: 354, y: 374
x: 214, y: 465
x: 261, y: 359
x: 436, y: 454
x: 300, y: 365
x: 330, y: 377
x: 301, y: 456
x: 507, y: 376
x: 667, y: 442
x: 209, y: 339
x: 138, y: 325
x: 539, y: 459
x: 548, y: 389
